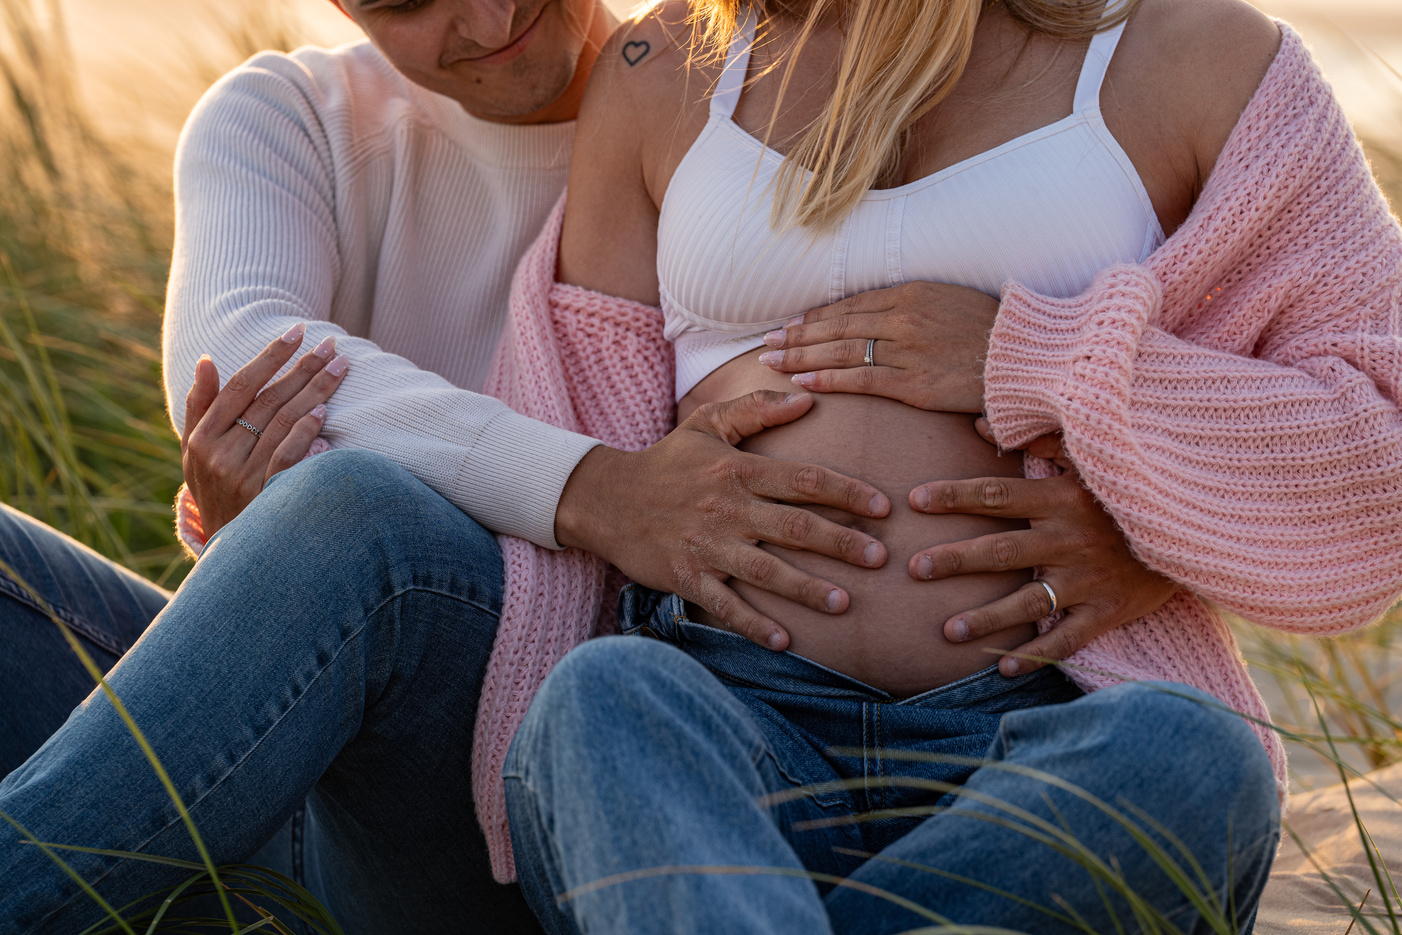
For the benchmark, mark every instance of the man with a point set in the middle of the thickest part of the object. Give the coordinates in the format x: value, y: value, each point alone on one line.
x: 330, y: 644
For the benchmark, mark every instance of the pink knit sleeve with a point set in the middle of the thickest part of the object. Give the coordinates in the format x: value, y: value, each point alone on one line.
x: 1272, y: 487
x: 1233, y: 402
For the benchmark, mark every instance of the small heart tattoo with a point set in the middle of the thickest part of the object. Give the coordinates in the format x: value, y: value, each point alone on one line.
x: 635, y: 52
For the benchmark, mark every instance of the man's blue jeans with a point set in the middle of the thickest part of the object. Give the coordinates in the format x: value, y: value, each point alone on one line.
x: 329, y: 646
x: 695, y: 783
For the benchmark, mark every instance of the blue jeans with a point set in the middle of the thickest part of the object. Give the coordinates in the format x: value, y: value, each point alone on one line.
x: 697, y: 783
x: 329, y: 646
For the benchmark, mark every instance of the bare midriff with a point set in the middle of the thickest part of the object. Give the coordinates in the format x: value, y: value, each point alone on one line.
x: 892, y: 634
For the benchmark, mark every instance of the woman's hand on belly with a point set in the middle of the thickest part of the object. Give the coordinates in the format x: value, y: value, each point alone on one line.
x: 930, y: 342
x: 1075, y: 545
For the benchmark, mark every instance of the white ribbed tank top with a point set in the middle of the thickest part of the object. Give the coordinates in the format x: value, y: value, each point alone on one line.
x: 1049, y: 210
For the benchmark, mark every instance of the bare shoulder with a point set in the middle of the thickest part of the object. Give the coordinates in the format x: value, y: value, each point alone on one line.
x: 634, y: 114
x: 1207, y: 58
x: 1180, y: 79
x: 644, y: 71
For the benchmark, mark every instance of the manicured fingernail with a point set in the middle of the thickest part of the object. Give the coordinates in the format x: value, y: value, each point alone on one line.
x: 803, y: 379
x: 338, y: 366
x: 1013, y: 667
x: 319, y: 411
x: 872, y: 553
x: 961, y: 630
x: 796, y: 320
x: 921, y: 498
x: 294, y: 334
x: 771, y: 358
x: 776, y: 640
x: 834, y: 600
x: 878, y: 504
x: 774, y: 339
x: 325, y: 348
x: 924, y: 567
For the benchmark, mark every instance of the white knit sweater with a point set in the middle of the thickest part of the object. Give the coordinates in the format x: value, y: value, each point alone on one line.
x: 323, y: 186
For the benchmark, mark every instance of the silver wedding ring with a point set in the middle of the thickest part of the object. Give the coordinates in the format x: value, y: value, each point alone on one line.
x: 259, y: 433
x: 870, y: 359
x: 1051, y: 594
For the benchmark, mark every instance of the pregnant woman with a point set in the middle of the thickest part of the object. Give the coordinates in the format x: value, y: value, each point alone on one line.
x: 901, y: 162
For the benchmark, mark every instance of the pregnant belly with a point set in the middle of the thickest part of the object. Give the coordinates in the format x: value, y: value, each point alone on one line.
x: 891, y: 635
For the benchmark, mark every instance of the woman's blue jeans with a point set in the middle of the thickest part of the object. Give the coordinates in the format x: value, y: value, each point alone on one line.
x: 695, y: 783
x: 329, y: 646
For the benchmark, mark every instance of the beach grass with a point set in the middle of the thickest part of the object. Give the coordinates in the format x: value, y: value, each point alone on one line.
x: 85, y: 440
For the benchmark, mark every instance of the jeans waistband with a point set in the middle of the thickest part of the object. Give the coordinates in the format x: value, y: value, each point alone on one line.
x: 646, y: 612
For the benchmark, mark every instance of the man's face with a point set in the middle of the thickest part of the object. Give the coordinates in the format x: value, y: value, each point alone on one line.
x: 502, y: 60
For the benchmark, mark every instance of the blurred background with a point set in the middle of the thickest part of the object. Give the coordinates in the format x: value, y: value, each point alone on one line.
x: 94, y: 94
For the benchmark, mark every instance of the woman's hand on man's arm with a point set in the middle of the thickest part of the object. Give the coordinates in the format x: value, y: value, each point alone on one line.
x: 226, y: 464
x: 686, y: 514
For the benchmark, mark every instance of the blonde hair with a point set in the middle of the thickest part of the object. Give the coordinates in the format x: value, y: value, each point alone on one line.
x: 900, y: 58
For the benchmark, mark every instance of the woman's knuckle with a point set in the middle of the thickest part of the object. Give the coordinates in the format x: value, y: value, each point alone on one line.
x: 947, y: 561
x: 995, y: 493
x: 1005, y: 552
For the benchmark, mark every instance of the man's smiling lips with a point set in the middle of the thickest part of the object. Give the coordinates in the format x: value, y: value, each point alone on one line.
x: 512, y: 49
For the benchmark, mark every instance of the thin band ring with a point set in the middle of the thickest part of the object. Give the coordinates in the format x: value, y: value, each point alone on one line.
x: 259, y: 432
x: 1051, y: 594
x: 870, y: 359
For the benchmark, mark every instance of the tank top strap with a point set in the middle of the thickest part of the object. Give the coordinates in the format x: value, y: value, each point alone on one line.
x: 737, y: 64
x: 1102, y: 49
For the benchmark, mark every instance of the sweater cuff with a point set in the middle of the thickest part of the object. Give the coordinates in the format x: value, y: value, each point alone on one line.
x: 1043, y: 350
x: 188, y: 528
x: 513, y: 476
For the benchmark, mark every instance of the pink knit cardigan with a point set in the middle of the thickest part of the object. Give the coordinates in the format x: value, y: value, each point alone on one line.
x: 1233, y: 403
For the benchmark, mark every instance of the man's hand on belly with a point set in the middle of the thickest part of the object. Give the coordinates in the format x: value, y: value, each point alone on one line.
x: 686, y: 514
x: 1079, y: 551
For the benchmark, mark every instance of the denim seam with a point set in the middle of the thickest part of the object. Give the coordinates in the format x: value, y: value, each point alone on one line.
x: 880, y: 760
x: 418, y: 589
x: 191, y: 806
x: 14, y: 590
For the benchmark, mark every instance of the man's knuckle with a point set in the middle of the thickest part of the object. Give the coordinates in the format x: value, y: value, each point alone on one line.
x: 796, y: 525
x: 848, y: 542
x: 762, y: 570
x: 1034, y: 603
x: 808, y: 480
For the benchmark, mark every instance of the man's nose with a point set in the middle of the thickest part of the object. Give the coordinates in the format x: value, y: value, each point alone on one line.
x: 486, y: 23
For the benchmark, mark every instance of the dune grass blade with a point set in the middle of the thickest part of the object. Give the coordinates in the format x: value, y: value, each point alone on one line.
x: 97, y: 675
x: 1369, y: 850
x: 72, y: 874
x: 646, y: 873
x: 1063, y: 918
